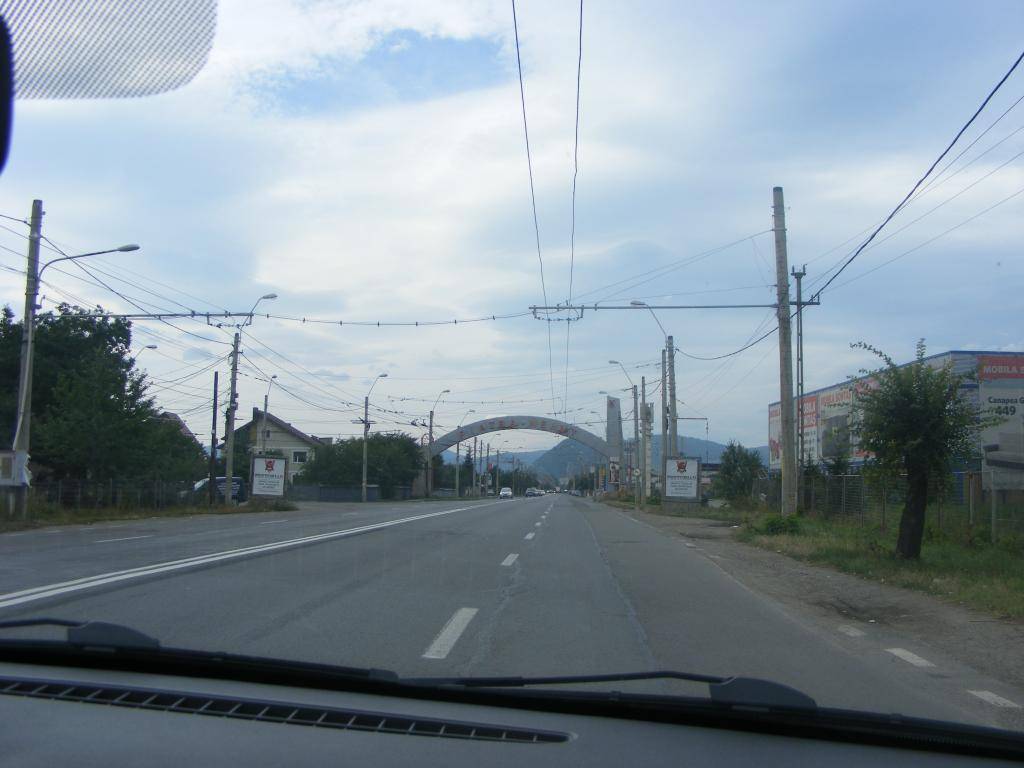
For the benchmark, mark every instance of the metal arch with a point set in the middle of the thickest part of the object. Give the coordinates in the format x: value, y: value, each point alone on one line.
x: 501, y: 423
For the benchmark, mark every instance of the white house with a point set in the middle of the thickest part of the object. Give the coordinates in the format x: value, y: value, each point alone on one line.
x: 278, y: 437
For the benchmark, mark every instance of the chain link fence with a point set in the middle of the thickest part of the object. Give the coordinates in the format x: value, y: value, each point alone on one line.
x: 962, y: 503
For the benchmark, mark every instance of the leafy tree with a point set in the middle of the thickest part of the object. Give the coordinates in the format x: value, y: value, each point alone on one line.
x: 739, y: 468
x: 91, y: 416
x: 393, y: 459
x: 916, y: 422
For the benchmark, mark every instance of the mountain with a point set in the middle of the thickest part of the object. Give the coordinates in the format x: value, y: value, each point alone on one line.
x: 569, y: 453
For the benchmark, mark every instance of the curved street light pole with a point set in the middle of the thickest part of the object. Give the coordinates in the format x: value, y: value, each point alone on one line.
x: 33, y: 276
x: 263, y: 429
x: 430, y: 443
x: 366, y: 426
x: 458, y: 445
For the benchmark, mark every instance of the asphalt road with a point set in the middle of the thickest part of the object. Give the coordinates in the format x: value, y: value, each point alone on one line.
x: 551, y: 585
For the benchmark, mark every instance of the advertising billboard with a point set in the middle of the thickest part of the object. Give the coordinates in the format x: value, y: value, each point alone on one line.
x: 1001, y: 399
x: 682, y: 479
x: 809, y: 428
x: 775, y: 436
x: 268, y: 475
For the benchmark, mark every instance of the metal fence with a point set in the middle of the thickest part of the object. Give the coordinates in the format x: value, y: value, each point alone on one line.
x: 85, y: 494
x: 960, y: 503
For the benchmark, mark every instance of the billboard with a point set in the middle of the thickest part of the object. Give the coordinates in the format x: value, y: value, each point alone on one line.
x: 1001, y: 399
x: 775, y: 436
x: 268, y: 475
x: 682, y: 479
x: 809, y: 428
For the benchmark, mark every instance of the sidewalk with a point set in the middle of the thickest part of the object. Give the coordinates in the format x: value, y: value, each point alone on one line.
x: 990, y: 645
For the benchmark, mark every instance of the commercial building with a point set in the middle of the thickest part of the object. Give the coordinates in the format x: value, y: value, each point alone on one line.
x: 825, y: 416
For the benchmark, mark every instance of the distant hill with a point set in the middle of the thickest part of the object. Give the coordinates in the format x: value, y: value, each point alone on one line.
x: 568, y: 452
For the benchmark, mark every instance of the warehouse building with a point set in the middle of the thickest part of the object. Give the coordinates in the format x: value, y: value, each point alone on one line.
x: 824, y: 417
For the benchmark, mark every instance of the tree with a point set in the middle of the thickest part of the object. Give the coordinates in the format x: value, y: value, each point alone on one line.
x: 915, y: 419
x: 91, y: 416
x: 393, y: 459
x: 738, y: 469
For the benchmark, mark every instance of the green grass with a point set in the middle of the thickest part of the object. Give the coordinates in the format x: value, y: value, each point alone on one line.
x: 44, y: 515
x: 956, y: 567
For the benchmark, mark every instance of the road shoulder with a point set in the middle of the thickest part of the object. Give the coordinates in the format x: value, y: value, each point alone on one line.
x: 990, y: 645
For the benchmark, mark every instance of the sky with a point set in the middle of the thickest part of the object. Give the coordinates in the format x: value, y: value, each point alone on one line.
x: 366, y: 162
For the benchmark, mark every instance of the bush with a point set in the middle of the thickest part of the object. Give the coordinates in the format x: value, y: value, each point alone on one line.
x: 776, y: 525
x: 272, y: 505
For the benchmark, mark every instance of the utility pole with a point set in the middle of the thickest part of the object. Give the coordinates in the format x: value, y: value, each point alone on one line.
x: 785, y: 356
x: 664, y: 422
x: 22, y: 430
x: 212, y: 488
x: 457, y: 447
x: 799, y: 275
x: 476, y: 488
x: 673, y: 423
x: 636, y: 451
x: 366, y: 439
x: 229, y: 432
x: 497, y: 470
x: 487, y: 466
x: 430, y: 458
x: 644, y: 473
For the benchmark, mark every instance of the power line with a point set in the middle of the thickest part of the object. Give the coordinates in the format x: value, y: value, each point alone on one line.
x: 533, y: 194
x: 862, y: 246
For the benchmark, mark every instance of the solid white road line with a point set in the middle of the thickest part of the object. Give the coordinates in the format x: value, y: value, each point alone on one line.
x: 450, y: 634
x: 530, y: 535
x: 126, y: 538
x: 910, y: 658
x: 846, y: 629
x: 995, y: 699
x: 271, y: 522
x: 87, y: 582
x: 510, y: 559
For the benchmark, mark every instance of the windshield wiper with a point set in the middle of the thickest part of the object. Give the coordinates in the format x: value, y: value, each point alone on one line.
x: 733, y: 691
x: 93, y: 634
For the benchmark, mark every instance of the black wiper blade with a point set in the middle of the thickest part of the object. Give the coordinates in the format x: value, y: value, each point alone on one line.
x: 91, y: 633
x: 732, y: 691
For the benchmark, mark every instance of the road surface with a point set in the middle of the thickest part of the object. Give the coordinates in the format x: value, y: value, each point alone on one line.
x: 540, y: 586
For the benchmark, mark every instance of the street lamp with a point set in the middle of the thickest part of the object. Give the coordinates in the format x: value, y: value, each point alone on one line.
x: 430, y: 442
x: 148, y: 346
x: 263, y: 429
x: 458, y: 445
x: 264, y: 297
x: 366, y: 425
x: 33, y: 276
x: 636, y: 303
x: 616, y: 362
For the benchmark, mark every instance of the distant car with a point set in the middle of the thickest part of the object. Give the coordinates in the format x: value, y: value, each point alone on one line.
x: 534, y: 492
x: 199, y: 490
x: 506, y: 493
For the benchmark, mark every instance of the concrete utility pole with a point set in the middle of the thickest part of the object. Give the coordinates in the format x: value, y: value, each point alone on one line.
x: 497, y: 470
x: 486, y: 469
x: 664, y: 423
x: 22, y: 430
x: 636, y: 450
x: 673, y: 422
x: 229, y: 431
x: 785, y: 356
x: 212, y: 488
x: 430, y: 459
x: 645, y: 474
x: 457, y: 447
x: 799, y: 275
x: 366, y: 439
x: 476, y: 458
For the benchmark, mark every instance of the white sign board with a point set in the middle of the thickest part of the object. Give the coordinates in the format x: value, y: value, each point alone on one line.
x: 682, y: 479
x: 268, y: 475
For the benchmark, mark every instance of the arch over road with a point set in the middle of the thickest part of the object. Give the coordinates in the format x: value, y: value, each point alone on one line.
x: 501, y: 423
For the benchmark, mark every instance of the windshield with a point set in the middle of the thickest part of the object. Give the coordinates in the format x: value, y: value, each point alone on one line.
x: 537, y: 339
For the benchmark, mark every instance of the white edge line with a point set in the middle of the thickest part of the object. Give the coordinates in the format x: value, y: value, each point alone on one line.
x: 123, y: 538
x: 450, y: 634
x: 995, y: 699
x: 910, y: 658
x: 75, y: 585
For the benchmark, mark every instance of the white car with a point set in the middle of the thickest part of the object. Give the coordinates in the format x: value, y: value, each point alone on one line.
x: 505, y: 493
